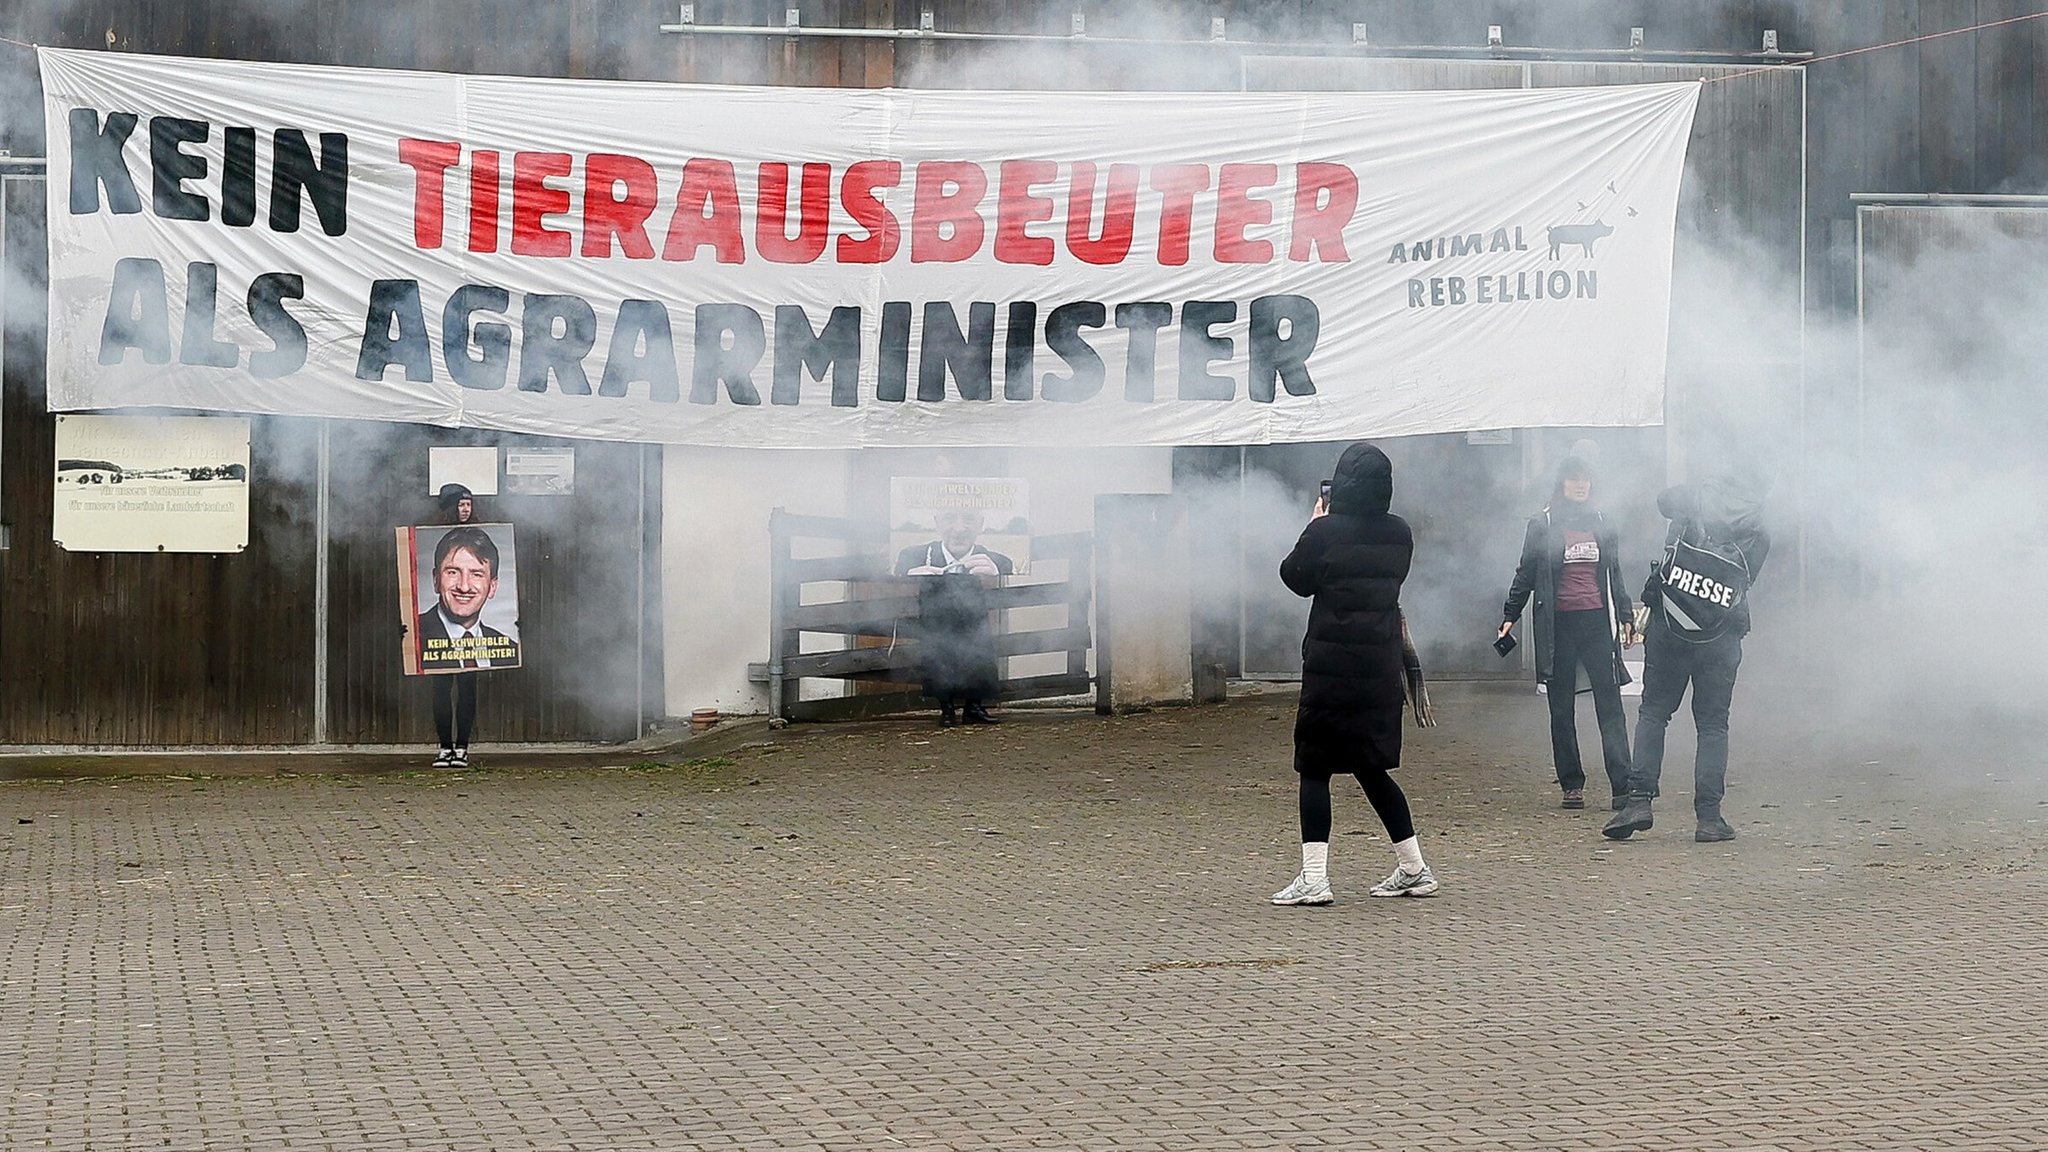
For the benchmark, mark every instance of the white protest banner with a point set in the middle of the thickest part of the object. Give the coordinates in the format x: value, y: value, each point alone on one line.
x: 819, y: 268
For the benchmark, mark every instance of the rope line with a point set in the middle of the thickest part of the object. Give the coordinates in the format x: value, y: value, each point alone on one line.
x: 1876, y: 47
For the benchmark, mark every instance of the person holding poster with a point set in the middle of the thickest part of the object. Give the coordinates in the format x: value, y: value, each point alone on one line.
x: 959, y: 648
x: 450, y: 636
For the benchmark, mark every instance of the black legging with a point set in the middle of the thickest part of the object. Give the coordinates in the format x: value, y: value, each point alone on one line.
x: 455, y: 708
x: 1386, y: 797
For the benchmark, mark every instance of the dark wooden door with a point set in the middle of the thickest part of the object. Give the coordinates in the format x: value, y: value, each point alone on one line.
x: 579, y: 561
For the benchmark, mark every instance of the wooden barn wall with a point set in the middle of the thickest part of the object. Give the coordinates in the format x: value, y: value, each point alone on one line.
x: 147, y: 649
x: 140, y: 648
x: 577, y: 588
x: 144, y: 649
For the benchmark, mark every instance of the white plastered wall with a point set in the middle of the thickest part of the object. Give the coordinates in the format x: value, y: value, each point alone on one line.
x: 714, y: 540
x: 1064, y: 483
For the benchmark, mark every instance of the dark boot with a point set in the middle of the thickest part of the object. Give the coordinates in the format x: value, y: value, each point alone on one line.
x: 947, y: 719
x: 976, y: 714
x: 1620, y: 800
x: 1634, y: 817
x: 1711, y: 828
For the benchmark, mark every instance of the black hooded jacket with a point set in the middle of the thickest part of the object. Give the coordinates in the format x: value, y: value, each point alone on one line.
x: 1725, y: 508
x: 1351, y: 562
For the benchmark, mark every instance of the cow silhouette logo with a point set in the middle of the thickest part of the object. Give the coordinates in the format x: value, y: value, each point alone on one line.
x: 1583, y: 235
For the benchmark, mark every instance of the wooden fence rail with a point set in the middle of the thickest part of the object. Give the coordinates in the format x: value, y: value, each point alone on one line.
x: 881, y: 609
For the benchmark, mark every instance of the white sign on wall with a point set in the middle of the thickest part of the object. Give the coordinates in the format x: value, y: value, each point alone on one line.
x: 540, y: 471
x: 151, y: 484
x: 801, y: 267
x: 475, y: 468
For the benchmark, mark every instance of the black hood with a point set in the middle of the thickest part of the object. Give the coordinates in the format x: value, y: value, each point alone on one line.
x: 1732, y: 503
x: 1364, y: 482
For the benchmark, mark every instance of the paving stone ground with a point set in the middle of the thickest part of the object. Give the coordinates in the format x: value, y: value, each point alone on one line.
x: 1053, y: 934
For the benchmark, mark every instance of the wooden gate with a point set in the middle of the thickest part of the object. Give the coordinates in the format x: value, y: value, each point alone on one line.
x: 860, y: 620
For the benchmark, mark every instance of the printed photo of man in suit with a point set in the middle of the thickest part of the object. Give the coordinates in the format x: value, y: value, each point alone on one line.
x: 465, y: 578
x: 955, y: 551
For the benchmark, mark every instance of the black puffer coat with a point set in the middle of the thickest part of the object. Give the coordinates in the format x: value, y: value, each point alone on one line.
x: 1352, y: 562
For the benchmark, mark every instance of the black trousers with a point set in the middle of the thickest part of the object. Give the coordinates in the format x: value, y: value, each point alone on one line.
x: 1586, y: 639
x: 1670, y: 664
x: 454, y: 708
x: 957, y: 648
x: 1386, y: 797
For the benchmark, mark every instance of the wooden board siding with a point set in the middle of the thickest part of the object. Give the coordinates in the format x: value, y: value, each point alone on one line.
x: 578, y: 582
x: 135, y: 648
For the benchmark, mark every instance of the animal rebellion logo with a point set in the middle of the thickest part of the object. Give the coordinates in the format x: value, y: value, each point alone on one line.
x: 1584, y: 235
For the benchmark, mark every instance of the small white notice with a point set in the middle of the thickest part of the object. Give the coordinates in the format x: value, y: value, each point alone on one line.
x: 151, y: 484
x: 474, y: 468
x: 540, y: 471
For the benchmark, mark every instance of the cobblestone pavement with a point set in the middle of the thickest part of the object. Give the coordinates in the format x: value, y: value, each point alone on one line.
x: 1049, y: 935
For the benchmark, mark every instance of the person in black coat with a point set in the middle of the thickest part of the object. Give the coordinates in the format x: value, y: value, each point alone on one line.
x: 957, y: 649
x: 1356, y: 667
x: 1571, y: 565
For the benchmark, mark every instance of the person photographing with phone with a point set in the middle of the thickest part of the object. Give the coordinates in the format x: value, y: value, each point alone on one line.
x: 1357, y: 668
x: 1570, y: 565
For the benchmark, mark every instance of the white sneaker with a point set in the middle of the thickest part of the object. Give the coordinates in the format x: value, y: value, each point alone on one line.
x: 1402, y: 883
x: 1305, y: 891
x: 461, y: 758
x: 445, y: 759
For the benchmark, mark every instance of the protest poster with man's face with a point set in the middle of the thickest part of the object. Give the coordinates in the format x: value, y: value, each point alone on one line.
x: 946, y: 520
x: 459, y: 598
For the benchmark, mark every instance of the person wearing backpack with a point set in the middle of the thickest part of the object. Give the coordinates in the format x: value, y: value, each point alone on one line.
x: 1698, y: 600
x: 1570, y: 564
